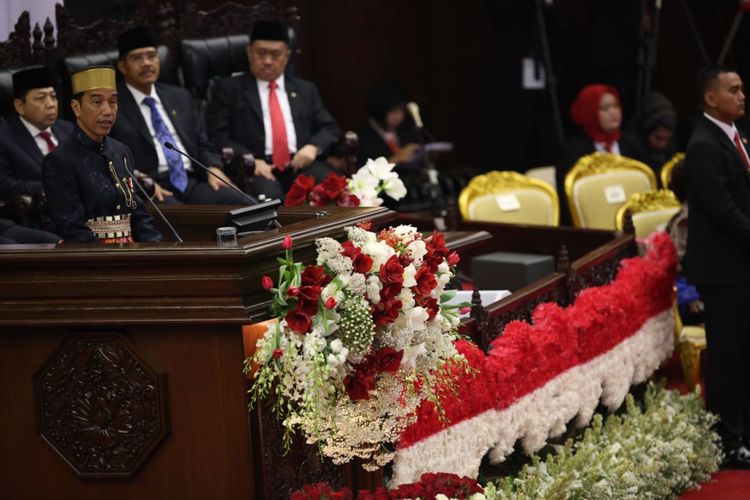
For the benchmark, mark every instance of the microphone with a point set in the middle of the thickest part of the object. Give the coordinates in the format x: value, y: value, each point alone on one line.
x: 414, y: 111
x: 147, y: 197
x: 249, y: 198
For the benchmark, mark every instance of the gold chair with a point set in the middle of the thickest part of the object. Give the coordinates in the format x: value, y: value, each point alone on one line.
x: 600, y: 183
x: 509, y: 197
x: 666, y: 169
x: 650, y: 211
x: 690, y: 342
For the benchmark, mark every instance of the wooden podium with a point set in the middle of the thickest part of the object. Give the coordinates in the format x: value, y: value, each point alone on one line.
x: 121, y: 367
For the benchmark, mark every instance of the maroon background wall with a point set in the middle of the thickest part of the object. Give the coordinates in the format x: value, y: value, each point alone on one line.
x: 441, y: 52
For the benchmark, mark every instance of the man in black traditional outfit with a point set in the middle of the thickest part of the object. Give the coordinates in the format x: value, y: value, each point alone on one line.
x: 90, y: 192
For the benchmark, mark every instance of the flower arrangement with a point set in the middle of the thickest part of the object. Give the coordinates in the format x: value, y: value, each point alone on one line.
x: 363, y: 337
x: 657, y: 449
x: 363, y: 189
x: 540, y: 375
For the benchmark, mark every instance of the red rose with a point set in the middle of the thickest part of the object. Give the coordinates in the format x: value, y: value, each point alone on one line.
x: 267, y: 282
x: 287, y: 243
x: 392, y: 277
x: 426, y: 282
x: 432, y: 306
x: 358, y: 386
x: 292, y: 291
x: 299, y: 321
x: 388, y: 359
x: 277, y: 353
x: 453, y: 259
x: 295, y: 197
x: 333, y: 185
x: 330, y: 303
x: 315, y: 275
x: 362, y: 263
x: 385, y: 312
x: 348, y: 200
x: 392, y: 271
x: 319, y: 197
x: 349, y: 250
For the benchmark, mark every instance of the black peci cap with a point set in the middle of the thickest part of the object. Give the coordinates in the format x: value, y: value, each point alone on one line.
x: 275, y: 31
x: 32, y: 78
x: 136, y: 38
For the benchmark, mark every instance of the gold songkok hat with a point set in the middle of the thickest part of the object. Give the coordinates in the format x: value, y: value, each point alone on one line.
x: 93, y: 77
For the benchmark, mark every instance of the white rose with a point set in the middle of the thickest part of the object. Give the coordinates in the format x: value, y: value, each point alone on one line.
x: 417, y: 249
x: 379, y: 253
x: 409, y: 276
x: 336, y: 345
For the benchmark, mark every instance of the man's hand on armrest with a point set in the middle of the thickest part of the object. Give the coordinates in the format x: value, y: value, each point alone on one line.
x: 305, y: 156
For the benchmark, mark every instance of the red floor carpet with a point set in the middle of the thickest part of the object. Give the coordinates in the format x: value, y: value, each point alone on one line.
x: 724, y: 485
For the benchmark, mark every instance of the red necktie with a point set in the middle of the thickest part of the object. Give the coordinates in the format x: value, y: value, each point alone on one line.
x: 47, y: 137
x: 390, y: 141
x: 741, y: 150
x: 278, y: 130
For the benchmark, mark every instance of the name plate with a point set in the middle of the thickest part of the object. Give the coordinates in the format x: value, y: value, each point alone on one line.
x: 614, y: 194
x: 508, y: 203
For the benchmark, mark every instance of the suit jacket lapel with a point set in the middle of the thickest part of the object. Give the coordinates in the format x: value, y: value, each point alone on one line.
x: 129, y: 108
x: 27, y: 142
x: 726, y: 143
x: 253, y: 97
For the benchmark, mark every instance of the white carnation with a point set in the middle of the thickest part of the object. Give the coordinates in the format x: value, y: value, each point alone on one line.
x: 417, y: 250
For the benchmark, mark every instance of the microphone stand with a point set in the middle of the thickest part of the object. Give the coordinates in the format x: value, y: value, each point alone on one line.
x: 249, y: 198
x: 437, y: 205
x: 147, y: 197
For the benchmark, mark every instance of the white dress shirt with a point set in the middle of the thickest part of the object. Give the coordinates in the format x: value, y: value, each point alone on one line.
x: 602, y: 147
x: 286, y: 110
x: 146, y: 112
x: 730, y: 130
x: 35, y: 131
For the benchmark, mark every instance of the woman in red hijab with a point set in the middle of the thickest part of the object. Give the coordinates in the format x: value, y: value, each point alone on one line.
x: 598, y: 113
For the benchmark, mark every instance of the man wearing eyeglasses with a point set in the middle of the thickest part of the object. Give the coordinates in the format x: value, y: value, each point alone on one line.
x: 278, y: 118
x: 152, y: 114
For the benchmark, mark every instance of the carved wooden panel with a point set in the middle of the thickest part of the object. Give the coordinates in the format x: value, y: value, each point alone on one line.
x: 303, y: 464
x: 100, y: 407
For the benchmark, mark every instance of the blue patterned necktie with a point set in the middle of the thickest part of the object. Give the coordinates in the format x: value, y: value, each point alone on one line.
x: 177, y: 174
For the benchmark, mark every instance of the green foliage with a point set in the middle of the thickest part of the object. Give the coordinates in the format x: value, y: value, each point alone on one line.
x: 657, y: 451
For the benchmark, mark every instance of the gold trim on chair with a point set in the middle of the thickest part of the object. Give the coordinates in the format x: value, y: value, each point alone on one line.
x: 505, y: 182
x: 600, y: 163
x: 652, y: 201
x: 666, y: 169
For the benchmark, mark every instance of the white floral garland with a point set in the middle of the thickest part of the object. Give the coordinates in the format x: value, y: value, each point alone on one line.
x: 544, y: 412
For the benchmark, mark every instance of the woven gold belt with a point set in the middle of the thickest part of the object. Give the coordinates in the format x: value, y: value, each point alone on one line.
x: 110, y: 226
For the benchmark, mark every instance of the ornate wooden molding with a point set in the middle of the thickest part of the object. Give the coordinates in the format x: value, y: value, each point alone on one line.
x: 100, y: 407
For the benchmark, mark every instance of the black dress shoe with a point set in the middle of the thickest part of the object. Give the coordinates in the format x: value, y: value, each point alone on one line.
x: 737, y: 458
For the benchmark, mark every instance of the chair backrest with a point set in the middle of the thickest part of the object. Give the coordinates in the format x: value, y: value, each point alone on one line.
x: 206, y: 58
x: 650, y: 211
x: 6, y: 91
x: 666, y: 170
x: 509, y: 197
x: 546, y: 174
x: 598, y: 185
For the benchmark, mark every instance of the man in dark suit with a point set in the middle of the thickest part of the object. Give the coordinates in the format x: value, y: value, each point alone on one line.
x: 30, y: 134
x: 718, y: 252
x: 152, y: 114
x: 279, y: 119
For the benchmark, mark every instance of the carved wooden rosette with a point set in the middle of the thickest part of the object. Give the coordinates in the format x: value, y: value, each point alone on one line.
x: 100, y: 407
